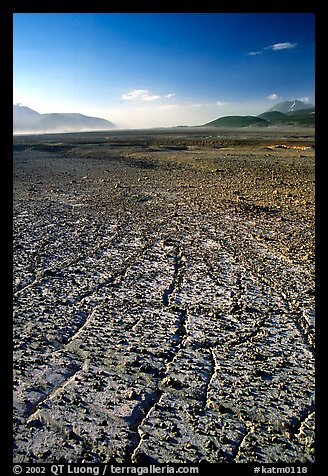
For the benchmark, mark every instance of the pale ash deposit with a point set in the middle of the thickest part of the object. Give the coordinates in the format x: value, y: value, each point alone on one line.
x: 164, y: 299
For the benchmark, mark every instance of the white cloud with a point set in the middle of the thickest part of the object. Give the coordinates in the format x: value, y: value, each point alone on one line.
x: 139, y: 95
x: 305, y: 99
x: 273, y: 96
x: 221, y: 103
x: 282, y: 46
x: 287, y: 45
x: 144, y: 95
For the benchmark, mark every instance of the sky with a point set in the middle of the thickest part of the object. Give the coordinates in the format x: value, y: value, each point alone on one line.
x: 162, y: 69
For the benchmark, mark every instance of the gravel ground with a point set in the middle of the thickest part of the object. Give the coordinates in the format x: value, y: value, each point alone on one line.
x: 164, y: 298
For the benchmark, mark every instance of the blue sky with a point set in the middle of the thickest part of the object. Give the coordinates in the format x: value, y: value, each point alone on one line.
x: 162, y: 69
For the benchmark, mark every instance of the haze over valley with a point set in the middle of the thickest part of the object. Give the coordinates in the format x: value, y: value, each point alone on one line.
x: 25, y: 121
x: 288, y: 113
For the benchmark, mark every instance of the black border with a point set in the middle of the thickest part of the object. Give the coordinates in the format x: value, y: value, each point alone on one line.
x: 6, y: 45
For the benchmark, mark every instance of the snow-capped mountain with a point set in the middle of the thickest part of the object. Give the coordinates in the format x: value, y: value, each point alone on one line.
x: 290, y: 106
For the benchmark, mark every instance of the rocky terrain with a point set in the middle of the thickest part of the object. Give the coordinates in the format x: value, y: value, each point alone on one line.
x: 164, y: 297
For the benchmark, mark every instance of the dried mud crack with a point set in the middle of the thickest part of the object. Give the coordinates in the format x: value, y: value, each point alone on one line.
x: 164, y: 297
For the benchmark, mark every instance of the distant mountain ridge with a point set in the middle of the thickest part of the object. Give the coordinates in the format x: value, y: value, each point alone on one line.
x: 290, y: 106
x: 26, y: 120
x: 237, y: 121
x: 295, y: 113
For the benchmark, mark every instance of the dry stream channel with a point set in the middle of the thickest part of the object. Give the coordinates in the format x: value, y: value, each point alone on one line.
x: 164, y: 298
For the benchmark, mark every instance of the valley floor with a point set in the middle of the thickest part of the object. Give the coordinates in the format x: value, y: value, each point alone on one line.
x: 164, y: 299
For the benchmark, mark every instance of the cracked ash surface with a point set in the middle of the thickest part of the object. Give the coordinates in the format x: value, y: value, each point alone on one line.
x: 164, y: 297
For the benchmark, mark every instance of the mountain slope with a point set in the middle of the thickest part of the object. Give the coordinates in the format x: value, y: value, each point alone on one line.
x: 273, y: 116
x: 290, y: 106
x: 297, y: 113
x: 61, y: 121
x: 26, y: 120
x: 237, y: 121
x: 24, y: 115
x: 302, y: 117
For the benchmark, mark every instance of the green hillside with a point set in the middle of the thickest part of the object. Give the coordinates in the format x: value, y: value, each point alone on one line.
x: 301, y: 117
x: 238, y: 121
x: 273, y: 116
x: 304, y: 117
x: 299, y: 112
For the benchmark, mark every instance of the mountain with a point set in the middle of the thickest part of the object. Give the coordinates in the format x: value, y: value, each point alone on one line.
x: 25, y: 120
x: 273, y: 116
x: 237, y: 121
x: 297, y: 113
x: 24, y: 115
x: 290, y: 106
x: 301, y: 117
